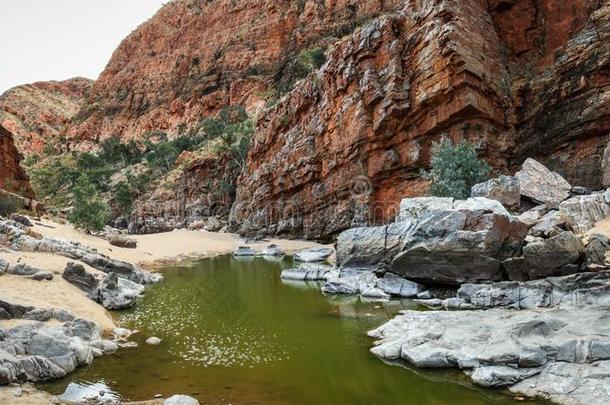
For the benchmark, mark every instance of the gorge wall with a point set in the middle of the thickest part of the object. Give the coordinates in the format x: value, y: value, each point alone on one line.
x: 195, y: 57
x: 518, y: 78
x: 38, y: 114
x: 12, y: 177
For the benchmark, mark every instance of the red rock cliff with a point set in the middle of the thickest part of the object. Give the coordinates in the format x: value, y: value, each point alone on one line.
x: 12, y: 177
x: 39, y: 113
x: 196, y: 56
x: 518, y: 78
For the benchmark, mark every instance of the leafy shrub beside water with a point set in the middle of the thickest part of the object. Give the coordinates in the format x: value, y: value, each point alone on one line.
x: 455, y: 168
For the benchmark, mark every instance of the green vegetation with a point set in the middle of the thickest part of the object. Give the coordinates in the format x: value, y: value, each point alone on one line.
x: 89, y: 211
x: 455, y: 169
x: 121, y: 171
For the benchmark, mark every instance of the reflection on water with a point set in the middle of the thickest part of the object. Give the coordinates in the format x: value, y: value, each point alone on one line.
x: 234, y: 332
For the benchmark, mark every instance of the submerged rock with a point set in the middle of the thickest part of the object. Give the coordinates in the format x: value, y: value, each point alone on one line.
x: 542, y: 185
x: 308, y: 272
x: 180, y: 400
x: 153, y: 341
x: 313, y: 255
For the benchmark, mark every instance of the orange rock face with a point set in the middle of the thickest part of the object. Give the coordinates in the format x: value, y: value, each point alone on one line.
x: 39, y: 113
x: 197, y: 56
x: 12, y: 177
x: 518, y: 78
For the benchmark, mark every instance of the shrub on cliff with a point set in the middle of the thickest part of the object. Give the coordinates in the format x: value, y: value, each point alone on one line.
x: 455, y: 168
x: 89, y: 211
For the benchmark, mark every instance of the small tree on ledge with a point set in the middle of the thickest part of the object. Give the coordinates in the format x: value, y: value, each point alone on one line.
x: 89, y: 213
x: 455, y: 169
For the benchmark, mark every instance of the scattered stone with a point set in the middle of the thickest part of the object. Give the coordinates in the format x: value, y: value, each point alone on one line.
x: 313, y: 255
x: 153, y: 341
x: 77, y: 275
x: 22, y: 269
x: 123, y: 242
x: 272, y: 250
x: 542, y: 185
x: 180, y: 400
x: 43, y: 275
x: 505, y: 189
x: 123, y: 333
x: 242, y: 251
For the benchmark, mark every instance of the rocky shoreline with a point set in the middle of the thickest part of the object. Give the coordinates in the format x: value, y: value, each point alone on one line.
x: 533, y: 285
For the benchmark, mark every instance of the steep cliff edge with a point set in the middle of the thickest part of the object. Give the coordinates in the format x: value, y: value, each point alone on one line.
x: 12, y: 177
x: 195, y: 57
x: 518, y: 78
x: 38, y: 114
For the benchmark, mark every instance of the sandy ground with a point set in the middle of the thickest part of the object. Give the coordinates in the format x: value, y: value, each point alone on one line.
x: 152, y: 251
x: 165, y: 247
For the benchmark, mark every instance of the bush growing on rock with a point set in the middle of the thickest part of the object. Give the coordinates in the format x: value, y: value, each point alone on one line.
x: 455, y: 168
x: 89, y: 212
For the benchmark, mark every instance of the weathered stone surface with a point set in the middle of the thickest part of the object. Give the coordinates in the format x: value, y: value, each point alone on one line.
x: 313, y: 255
x: 504, y: 189
x: 123, y: 242
x: 459, y: 246
x: 43, y: 275
x: 541, y: 185
x: 596, y: 247
x: 502, y: 347
x: 21, y: 219
x: 77, y: 275
x: 20, y: 240
x: 397, y: 286
x: 198, y: 194
x: 308, y: 272
x: 118, y: 293
x: 12, y: 177
x: 583, y: 213
x: 412, y: 209
x: 606, y: 166
x: 549, y: 225
x: 582, y: 289
x: 560, y: 255
x: 22, y: 269
x: 349, y: 142
x: 38, y: 113
x: 39, y: 352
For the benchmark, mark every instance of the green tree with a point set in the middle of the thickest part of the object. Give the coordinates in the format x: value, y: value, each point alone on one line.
x: 455, y: 169
x: 89, y: 212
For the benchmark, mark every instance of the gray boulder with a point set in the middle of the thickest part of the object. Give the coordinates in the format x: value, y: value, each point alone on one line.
x: 21, y: 219
x: 459, y: 246
x: 582, y: 213
x: 77, y: 275
x: 504, y: 189
x: 542, y: 185
x: 123, y: 242
x: 243, y: 251
x: 308, y: 272
x: 22, y: 269
x: 549, y: 225
x: 397, y: 286
x: 118, y: 293
x: 560, y: 255
x: 411, y: 209
x: 313, y: 255
x: 43, y: 275
x: 595, y: 250
x: 4, y: 266
x: 352, y: 281
x: 272, y: 250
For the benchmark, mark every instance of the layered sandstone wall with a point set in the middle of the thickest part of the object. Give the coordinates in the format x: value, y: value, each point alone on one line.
x: 38, y: 114
x: 197, y: 56
x: 12, y: 177
x: 519, y: 78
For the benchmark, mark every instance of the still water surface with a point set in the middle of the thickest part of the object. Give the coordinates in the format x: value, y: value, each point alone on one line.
x: 234, y: 333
